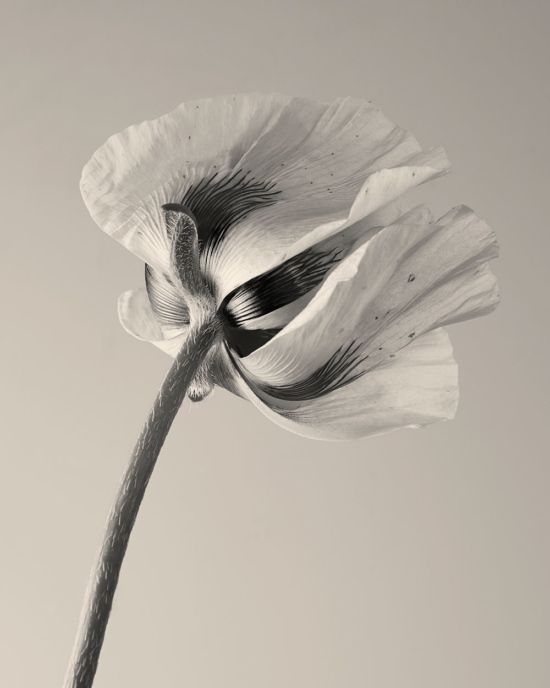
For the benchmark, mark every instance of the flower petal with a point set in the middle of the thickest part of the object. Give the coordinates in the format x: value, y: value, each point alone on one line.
x: 408, y: 279
x: 137, y: 171
x: 353, y: 158
x: 417, y: 387
x: 138, y: 318
x: 268, y: 302
x: 304, y: 164
x: 166, y: 298
x: 379, y: 189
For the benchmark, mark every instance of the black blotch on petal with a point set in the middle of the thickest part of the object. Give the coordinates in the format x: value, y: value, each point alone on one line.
x: 244, y: 342
x: 278, y: 287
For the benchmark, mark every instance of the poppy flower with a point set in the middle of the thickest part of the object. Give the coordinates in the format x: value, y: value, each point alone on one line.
x: 284, y: 217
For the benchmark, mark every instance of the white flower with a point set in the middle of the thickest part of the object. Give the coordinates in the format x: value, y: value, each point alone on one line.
x: 332, y: 298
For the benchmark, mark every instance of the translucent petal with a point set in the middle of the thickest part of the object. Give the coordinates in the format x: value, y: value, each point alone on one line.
x: 138, y: 318
x: 147, y: 165
x: 416, y: 387
x: 410, y: 278
x: 319, y: 159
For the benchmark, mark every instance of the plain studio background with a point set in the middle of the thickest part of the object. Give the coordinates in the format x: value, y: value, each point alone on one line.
x: 260, y: 559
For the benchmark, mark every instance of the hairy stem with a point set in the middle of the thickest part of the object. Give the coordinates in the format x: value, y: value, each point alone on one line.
x: 104, y: 577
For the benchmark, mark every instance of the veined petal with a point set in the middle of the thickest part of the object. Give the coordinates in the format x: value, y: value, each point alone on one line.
x: 260, y: 172
x: 408, y: 279
x: 138, y: 318
x: 271, y: 300
x: 416, y: 387
x: 137, y: 171
x: 379, y: 189
x: 354, y: 158
x: 166, y: 298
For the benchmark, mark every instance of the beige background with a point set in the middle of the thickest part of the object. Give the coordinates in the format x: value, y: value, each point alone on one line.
x: 260, y: 559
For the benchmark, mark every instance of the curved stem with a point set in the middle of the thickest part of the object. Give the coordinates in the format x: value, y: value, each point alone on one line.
x: 104, y: 577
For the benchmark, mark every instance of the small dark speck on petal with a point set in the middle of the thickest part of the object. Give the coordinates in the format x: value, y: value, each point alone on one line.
x: 386, y: 313
x: 311, y: 182
x: 332, y: 153
x: 376, y: 317
x: 189, y: 138
x: 412, y: 334
x: 392, y: 355
x: 380, y: 349
x: 411, y: 278
x: 414, y: 174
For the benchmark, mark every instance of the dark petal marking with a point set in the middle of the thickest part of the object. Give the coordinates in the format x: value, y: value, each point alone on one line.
x: 168, y: 305
x: 338, y: 371
x: 279, y: 286
x: 244, y: 342
x: 220, y: 202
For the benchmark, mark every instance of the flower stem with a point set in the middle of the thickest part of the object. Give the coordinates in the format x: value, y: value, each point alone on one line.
x: 104, y: 577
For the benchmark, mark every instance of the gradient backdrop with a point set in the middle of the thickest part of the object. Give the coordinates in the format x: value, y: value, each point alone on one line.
x: 261, y: 559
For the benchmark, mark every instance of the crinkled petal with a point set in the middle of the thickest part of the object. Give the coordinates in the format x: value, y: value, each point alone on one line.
x: 409, y: 278
x: 417, y: 387
x: 271, y: 300
x: 135, y: 172
x: 354, y: 162
x: 311, y: 162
